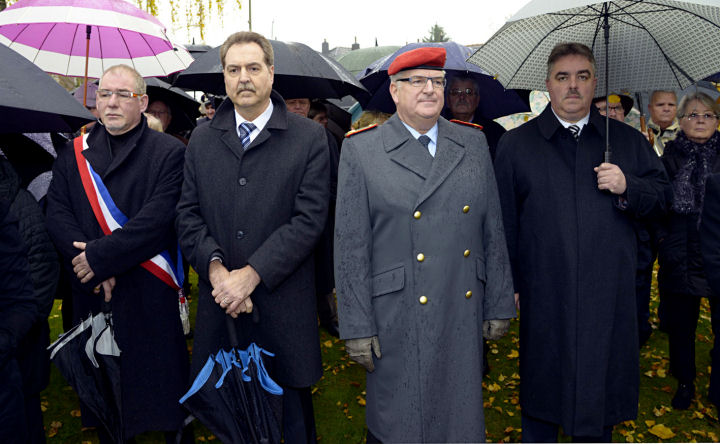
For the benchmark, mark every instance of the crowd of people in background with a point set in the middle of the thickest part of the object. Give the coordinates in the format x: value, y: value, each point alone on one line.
x: 416, y: 238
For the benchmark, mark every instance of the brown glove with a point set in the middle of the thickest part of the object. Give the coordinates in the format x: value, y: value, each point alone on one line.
x: 360, y: 350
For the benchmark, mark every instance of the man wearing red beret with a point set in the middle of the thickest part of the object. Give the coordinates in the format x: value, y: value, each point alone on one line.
x: 421, y: 265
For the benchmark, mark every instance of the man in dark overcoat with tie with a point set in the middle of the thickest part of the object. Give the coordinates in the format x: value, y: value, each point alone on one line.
x: 253, y: 205
x: 569, y: 223
x: 421, y: 265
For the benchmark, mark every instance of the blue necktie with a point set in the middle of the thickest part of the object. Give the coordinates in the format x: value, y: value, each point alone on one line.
x: 245, y: 129
x: 425, y: 140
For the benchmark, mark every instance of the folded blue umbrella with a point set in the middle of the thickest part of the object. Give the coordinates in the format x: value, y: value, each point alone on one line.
x: 234, y: 396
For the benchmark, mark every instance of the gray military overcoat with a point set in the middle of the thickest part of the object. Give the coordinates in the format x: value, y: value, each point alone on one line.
x: 420, y: 261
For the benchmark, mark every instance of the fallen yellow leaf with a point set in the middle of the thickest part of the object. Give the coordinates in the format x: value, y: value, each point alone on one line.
x: 75, y: 413
x: 661, y: 373
x: 661, y: 431
x: 493, y: 387
x: 327, y: 344
x: 513, y: 354
x: 649, y: 423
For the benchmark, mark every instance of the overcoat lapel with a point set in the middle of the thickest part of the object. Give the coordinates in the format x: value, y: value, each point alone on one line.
x: 448, y: 155
x: 225, y: 122
x: 404, y: 149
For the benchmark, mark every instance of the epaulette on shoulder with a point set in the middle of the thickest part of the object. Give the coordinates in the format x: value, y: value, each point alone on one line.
x: 470, y: 124
x: 361, y: 130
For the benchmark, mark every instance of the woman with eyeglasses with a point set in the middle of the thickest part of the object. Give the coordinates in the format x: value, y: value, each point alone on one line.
x: 688, y: 160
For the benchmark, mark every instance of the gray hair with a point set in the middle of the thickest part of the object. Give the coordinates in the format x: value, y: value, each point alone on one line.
x: 140, y: 85
x: 703, y: 98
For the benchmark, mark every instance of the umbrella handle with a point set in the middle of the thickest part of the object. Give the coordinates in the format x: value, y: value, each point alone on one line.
x: 232, y: 332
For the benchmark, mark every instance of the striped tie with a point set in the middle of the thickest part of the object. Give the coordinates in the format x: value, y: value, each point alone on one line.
x: 575, y: 130
x: 245, y: 129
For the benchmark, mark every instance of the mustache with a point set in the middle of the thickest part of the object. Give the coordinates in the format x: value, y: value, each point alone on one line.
x: 573, y: 93
x: 246, y: 87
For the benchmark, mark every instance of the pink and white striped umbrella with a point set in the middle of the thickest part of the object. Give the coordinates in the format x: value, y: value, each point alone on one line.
x: 52, y: 34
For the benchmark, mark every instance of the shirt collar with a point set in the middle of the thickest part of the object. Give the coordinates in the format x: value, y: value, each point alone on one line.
x: 259, y: 122
x: 432, y: 132
x: 580, y: 123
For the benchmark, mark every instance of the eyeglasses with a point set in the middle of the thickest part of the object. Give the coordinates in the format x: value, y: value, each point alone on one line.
x: 105, y: 94
x: 157, y: 113
x: 460, y: 92
x: 421, y: 81
x: 706, y: 116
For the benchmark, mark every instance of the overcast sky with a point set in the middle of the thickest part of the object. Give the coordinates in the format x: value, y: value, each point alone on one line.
x: 341, y: 21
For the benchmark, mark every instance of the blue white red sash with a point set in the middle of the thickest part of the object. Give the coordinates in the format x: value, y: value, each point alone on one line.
x: 111, y: 218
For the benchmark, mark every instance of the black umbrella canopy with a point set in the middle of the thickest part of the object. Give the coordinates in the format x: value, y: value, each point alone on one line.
x: 300, y: 72
x: 32, y: 102
x: 185, y: 110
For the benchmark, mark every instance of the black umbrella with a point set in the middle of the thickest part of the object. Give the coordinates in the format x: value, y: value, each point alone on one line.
x: 300, y: 72
x: 32, y: 102
x: 234, y: 396
x: 185, y: 110
x: 88, y: 357
x: 496, y: 100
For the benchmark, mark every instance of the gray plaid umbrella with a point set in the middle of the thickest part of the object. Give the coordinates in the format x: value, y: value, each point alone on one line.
x: 653, y: 44
x: 658, y: 44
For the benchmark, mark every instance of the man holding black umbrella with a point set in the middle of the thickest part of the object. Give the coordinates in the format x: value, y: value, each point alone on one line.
x: 569, y: 226
x: 253, y: 206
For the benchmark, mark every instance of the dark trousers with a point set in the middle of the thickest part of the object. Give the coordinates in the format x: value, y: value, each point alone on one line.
x: 537, y: 430
x: 682, y: 312
x: 13, y: 427
x: 298, y: 419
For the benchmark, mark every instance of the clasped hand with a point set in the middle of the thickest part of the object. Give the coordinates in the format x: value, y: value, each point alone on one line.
x: 232, y: 289
x: 84, y: 272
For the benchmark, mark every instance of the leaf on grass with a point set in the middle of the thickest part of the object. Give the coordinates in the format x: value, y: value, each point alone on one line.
x: 508, y: 430
x: 327, y: 344
x: 314, y: 390
x: 361, y: 401
x: 494, y: 351
x: 698, y: 415
x: 75, y: 413
x: 629, y: 423
x: 513, y: 354
x: 666, y: 389
x: 713, y: 436
x: 661, y: 431
x: 509, y: 413
x: 354, y: 383
x: 629, y: 438
x: 493, y: 387
x: 659, y: 411
x: 501, y: 378
x: 699, y: 432
x: 201, y: 438
x: 649, y: 374
x: 661, y: 373
x: 649, y: 423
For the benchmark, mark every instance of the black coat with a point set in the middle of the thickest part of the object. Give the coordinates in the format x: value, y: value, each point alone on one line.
x: 266, y: 207
x: 18, y: 311
x: 33, y: 357
x: 573, y: 252
x: 144, y: 181
x: 681, y: 265
x: 710, y: 232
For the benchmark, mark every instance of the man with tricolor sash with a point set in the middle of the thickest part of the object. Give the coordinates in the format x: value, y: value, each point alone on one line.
x: 111, y: 207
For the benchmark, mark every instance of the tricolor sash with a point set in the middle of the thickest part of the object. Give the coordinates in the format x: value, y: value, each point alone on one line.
x: 111, y: 218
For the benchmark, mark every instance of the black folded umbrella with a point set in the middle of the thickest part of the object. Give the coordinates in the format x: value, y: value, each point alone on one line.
x: 89, y: 359
x: 234, y: 396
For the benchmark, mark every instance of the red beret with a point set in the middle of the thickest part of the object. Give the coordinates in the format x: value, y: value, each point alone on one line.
x: 426, y: 58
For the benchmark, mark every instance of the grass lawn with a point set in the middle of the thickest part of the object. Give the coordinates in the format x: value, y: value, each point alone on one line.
x: 339, y: 397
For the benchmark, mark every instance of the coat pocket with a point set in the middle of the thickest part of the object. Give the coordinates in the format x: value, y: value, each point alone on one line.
x: 389, y: 281
x: 481, y: 270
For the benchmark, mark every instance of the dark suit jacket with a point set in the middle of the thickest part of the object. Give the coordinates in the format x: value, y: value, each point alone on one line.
x: 266, y: 207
